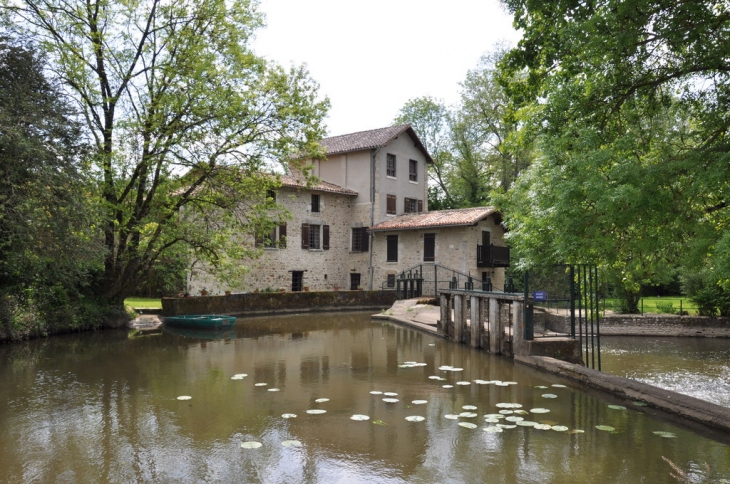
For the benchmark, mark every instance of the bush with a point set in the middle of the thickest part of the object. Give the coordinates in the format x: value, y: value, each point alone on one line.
x: 711, y: 300
x: 666, y: 308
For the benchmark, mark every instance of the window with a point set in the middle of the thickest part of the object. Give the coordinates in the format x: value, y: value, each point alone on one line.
x: 411, y: 205
x: 390, y: 205
x: 390, y: 164
x: 412, y: 170
x: 271, y: 194
x: 392, y: 255
x: 354, y: 281
x: 315, y: 202
x: 391, y: 280
x: 429, y: 247
x: 315, y: 236
x: 274, y: 239
x: 360, y: 241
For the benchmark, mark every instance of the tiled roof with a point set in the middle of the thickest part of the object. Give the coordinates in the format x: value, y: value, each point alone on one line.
x: 372, y: 139
x: 297, y: 182
x: 437, y: 218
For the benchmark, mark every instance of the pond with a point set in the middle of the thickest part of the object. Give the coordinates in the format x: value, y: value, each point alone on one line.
x: 698, y: 367
x: 105, y: 407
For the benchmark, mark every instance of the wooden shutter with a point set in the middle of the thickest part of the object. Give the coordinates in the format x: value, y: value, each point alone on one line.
x: 405, y: 205
x: 365, y: 240
x: 282, y: 236
x: 390, y: 204
x: 420, y: 206
x: 305, y: 236
x: 326, y: 237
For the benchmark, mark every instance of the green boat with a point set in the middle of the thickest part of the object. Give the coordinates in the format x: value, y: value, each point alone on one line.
x: 203, y: 321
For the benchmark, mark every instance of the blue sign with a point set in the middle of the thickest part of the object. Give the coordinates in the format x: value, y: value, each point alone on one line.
x: 539, y: 295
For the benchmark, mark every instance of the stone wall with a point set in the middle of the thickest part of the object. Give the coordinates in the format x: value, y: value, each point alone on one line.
x: 647, y: 325
x: 278, y: 302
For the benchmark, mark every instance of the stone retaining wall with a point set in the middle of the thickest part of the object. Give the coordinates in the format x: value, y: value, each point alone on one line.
x: 649, y: 325
x: 255, y: 304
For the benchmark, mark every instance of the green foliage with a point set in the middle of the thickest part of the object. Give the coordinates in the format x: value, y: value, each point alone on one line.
x: 632, y: 125
x: 666, y: 308
x: 184, y: 118
x: 476, y: 151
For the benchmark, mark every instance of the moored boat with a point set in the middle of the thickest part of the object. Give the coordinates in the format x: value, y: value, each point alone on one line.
x: 205, y: 321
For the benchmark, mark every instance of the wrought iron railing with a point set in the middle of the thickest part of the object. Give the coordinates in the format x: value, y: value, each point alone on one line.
x: 492, y: 256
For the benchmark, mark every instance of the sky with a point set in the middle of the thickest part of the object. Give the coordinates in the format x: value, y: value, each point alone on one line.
x: 371, y: 56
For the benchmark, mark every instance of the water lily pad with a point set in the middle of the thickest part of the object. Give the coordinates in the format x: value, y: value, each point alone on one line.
x: 432, y: 344
x: 380, y: 422
x: 549, y: 395
x: 322, y: 400
x: 390, y: 394
x: 260, y: 384
x: 291, y: 443
x: 506, y: 411
x: 376, y: 392
x: 539, y: 410
x: 415, y: 418
x: 502, y: 384
x: 506, y: 426
x: 251, y: 445
x: 359, y: 417
x: 445, y: 367
x: 273, y: 389
x: 512, y: 418
x: 577, y: 431
x: 640, y: 404
x: 406, y: 366
x: 509, y: 405
x: 491, y: 420
x: 617, y: 407
x: 419, y: 402
x: 605, y: 428
x: 666, y: 435
x: 469, y: 407
x: 447, y: 386
x: 409, y: 362
x: 493, y: 429
x: 526, y: 423
x: 558, y: 385
x: 239, y: 376
x: 457, y: 369
x: 510, y: 382
x: 435, y: 377
x: 467, y: 425
x: 390, y: 400
x: 451, y: 416
x: 316, y: 411
x: 560, y: 428
x: 494, y: 415
x: 541, y: 386
x: 468, y: 414
x: 289, y: 415
x: 184, y: 397
x: 463, y: 383
x: 542, y: 426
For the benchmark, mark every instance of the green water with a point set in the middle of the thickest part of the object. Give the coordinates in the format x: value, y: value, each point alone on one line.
x: 103, y: 407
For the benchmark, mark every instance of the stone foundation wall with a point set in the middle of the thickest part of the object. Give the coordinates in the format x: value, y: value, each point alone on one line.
x: 647, y: 325
x: 255, y: 304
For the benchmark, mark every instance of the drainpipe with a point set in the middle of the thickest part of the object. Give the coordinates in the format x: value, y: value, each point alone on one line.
x: 371, y: 269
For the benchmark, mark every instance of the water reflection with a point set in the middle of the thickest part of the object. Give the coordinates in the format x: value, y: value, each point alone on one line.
x: 698, y: 367
x: 103, y: 408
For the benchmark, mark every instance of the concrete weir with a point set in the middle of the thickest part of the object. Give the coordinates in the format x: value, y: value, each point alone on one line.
x: 502, y: 317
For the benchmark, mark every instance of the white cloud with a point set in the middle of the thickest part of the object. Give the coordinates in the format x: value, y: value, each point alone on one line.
x: 371, y: 56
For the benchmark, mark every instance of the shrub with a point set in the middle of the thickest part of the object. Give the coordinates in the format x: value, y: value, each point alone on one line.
x: 666, y: 308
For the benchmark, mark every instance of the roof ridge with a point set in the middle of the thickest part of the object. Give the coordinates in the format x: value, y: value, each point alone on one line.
x: 403, y: 125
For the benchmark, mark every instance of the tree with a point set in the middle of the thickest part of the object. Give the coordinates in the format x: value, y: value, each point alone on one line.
x: 46, y: 226
x: 633, y: 122
x: 183, y: 117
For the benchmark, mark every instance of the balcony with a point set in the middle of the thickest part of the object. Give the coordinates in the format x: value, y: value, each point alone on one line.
x: 492, y: 256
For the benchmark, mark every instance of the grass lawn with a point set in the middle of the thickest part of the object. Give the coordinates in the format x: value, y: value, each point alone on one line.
x: 143, y: 302
x: 657, y: 305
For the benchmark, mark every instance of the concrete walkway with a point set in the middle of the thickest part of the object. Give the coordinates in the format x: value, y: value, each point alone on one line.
x: 409, y: 312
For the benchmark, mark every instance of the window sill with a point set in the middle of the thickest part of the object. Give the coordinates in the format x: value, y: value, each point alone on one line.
x: 315, y: 250
x: 413, y: 182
